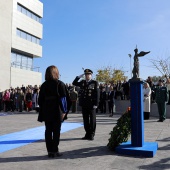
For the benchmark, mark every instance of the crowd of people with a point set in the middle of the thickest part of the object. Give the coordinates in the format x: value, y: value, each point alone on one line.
x: 19, y: 99
x: 108, y: 93
x: 26, y: 98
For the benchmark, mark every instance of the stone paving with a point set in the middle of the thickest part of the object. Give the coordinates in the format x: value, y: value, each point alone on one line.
x: 81, y: 154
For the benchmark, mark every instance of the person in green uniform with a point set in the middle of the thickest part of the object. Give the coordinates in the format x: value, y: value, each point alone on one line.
x: 161, y: 100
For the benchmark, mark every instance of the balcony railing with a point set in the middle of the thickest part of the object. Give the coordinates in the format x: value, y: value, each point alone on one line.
x: 24, y: 67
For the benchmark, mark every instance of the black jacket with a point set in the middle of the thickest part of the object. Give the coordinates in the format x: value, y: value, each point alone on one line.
x: 103, y: 96
x: 111, y: 96
x: 49, y: 100
x: 89, y: 92
x: 28, y: 97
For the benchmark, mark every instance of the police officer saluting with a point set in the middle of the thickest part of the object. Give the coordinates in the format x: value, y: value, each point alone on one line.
x: 161, y: 100
x: 89, y: 102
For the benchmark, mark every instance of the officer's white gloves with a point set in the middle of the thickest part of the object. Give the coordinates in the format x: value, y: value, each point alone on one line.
x: 94, y: 107
x: 80, y: 76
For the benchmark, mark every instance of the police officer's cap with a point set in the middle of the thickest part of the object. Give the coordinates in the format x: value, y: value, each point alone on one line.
x: 88, y: 71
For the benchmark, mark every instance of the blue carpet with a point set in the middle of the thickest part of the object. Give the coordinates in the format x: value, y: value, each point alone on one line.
x: 18, y: 139
x: 5, y: 113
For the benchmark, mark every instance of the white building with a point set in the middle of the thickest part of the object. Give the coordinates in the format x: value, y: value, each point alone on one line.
x: 20, y: 35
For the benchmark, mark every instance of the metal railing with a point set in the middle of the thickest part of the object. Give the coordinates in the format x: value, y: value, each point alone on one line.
x: 24, y: 67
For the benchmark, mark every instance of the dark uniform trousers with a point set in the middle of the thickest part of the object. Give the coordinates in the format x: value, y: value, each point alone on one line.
x: 162, y: 110
x: 74, y: 106
x: 89, y: 118
x: 52, y: 135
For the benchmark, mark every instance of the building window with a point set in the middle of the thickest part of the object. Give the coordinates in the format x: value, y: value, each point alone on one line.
x: 24, y: 11
x: 19, y: 33
x: 13, y: 57
x: 23, y: 35
x: 19, y: 8
x: 24, y: 62
x: 28, y: 36
x: 21, y: 61
x: 28, y: 13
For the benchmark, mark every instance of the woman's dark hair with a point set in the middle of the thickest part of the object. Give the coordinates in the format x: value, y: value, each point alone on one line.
x: 52, y: 73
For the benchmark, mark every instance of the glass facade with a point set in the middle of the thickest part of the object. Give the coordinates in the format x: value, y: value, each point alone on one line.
x: 28, y: 13
x: 27, y: 36
x: 21, y: 61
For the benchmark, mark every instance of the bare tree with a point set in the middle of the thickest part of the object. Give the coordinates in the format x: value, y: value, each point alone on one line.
x: 162, y: 65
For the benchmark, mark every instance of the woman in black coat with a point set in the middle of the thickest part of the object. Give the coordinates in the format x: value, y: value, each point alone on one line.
x: 53, y: 106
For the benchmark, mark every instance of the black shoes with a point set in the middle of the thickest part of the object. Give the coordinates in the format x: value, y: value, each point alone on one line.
x: 54, y: 154
x: 161, y: 120
x: 85, y: 138
x: 91, y: 137
x: 51, y: 155
x: 57, y: 154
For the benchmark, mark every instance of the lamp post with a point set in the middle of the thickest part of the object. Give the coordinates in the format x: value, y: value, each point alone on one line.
x: 130, y: 65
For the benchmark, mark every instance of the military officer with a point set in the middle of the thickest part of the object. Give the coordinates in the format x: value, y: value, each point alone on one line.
x: 161, y: 99
x: 88, y: 101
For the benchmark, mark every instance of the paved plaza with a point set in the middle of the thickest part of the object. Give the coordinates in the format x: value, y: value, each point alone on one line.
x: 24, y: 132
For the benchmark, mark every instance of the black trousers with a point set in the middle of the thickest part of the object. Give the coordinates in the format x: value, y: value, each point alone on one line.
x: 89, y: 118
x: 169, y: 98
x: 110, y: 104
x: 1, y: 105
x: 20, y: 105
x: 7, y: 105
x: 52, y: 135
x: 103, y: 106
x: 74, y: 106
x: 12, y: 106
x: 146, y: 115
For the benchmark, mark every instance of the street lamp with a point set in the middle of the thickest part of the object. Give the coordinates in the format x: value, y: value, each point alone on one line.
x: 130, y: 65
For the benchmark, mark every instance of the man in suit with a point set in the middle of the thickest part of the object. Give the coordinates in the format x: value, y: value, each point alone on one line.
x: 88, y: 101
x: 111, y: 100
x: 74, y: 97
x: 161, y: 100
x: 119, y: 90
x: 125, y: 87
x: 103, y: 98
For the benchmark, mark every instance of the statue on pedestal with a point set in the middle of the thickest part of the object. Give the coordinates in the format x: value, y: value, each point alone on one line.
x: 135, y: 70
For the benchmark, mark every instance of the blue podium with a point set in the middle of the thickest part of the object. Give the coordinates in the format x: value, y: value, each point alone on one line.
x: 137, y: 146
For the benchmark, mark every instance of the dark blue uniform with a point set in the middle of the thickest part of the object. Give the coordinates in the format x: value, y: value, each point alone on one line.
x: 88, y: 99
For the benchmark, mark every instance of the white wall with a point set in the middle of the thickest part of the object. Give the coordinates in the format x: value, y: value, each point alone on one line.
x: 28, y: 25
x: 5, y: 42
x: 122, y: 105
x: 25, y: 77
